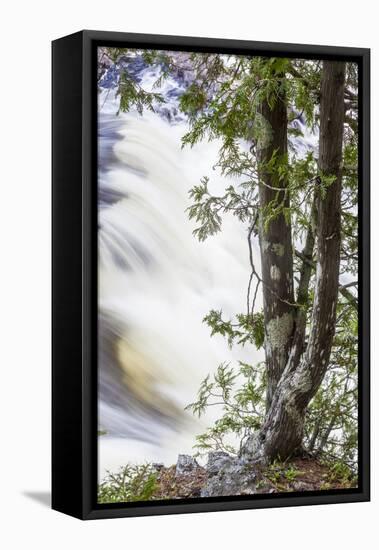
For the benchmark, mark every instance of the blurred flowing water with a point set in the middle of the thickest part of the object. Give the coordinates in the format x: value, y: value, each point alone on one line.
x: 157, y: 282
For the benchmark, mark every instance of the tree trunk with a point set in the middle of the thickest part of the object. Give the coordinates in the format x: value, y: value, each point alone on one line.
x: 275, y: 246
x: 282, y: 432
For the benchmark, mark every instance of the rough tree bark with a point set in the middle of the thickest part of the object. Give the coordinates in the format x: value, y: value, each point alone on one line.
x: 282, y: 431
x: 276, y: 247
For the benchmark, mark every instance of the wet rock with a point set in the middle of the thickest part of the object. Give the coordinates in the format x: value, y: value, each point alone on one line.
x: 185, y: 465
x: 216, y: 460
x: 235, y: 477
x: 302, y: 486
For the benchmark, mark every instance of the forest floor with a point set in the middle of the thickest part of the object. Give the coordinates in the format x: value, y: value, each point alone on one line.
x: 302, y: 474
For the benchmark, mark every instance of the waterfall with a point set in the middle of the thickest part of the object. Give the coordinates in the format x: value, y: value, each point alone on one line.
x: 157, y: 282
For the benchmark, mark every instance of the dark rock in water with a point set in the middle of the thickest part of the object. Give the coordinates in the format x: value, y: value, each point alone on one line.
x: 186, y: 464
x: 236, y: 476
x: 110, y: 77
x: 216, y: 460
x: 134, y: 65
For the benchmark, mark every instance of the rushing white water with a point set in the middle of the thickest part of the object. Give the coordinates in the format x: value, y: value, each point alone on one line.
x: 156, y: 283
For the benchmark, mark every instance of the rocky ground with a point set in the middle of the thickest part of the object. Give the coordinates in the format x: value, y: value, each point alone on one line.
x: 225, y: 476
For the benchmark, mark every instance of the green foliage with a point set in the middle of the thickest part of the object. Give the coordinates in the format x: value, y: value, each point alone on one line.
x: 193, y: 100
x: 224, y: 102
x: 132, y: 95
x: 278, y: 66
x: 340, y: 472
x: 278, y: 471
x: 331, y: 421
x: 350, y: 207
x: 239, y: 395
x: 246, y: 329
x: 206, y: 209
x: 291, y: 473
x: 229, y: 107
x: 303, y: 88
x: 324, y: 182
x: 130, y: 484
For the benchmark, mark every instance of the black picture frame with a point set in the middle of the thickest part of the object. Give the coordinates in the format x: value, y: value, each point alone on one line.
x: 74, y: 273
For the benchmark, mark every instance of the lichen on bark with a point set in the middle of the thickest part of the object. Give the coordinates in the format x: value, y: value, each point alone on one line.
x: 278, y: 330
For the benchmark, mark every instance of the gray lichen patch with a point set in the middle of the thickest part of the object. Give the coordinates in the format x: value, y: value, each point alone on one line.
x: 278, y: 331
x: 275, y: 273
x: 265, y: 245
x: 278, y: 249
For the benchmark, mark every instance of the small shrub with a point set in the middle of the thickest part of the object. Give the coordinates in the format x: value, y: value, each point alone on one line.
x: 341, y: 473
x: 291, y: 474
x: 281, y: 472
x: 131, y: 483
